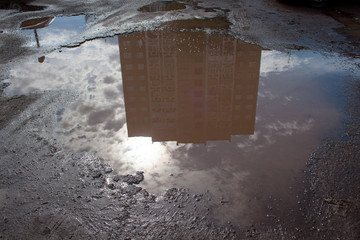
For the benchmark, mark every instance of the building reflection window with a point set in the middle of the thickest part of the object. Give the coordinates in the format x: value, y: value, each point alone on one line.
x: 141, y: 67
x: 128, y: 66
x: 127, y: 55
x: 126, y: 43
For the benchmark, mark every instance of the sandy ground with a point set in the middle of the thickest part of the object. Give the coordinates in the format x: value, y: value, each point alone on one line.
x: 50, y: 192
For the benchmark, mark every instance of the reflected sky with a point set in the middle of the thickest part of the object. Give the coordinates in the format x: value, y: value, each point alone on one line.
x: 56, y: 32
x: 295, y: 105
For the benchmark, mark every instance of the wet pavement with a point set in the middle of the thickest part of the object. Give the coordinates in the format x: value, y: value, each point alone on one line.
x: 189, y: 106
x: 195, y: 110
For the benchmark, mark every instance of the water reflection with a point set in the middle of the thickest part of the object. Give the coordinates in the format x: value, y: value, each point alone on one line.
x: 54, y: 32
x: 173, y: 86
x: 36, y: 24
x: 189, y: 87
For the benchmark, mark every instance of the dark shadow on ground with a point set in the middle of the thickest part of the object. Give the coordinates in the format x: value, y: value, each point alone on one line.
x: 20, y: 5
x: 325, y: 3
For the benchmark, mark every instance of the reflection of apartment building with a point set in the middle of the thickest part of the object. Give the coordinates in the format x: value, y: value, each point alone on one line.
x: 189, y: 87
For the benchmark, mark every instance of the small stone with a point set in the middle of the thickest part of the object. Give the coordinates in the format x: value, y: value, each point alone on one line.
x: 146, y: 193
x: 116, y: 178
x: 108, y: 169
x: 131, y: 179
x: 96, y: 174
x: 111, y: 186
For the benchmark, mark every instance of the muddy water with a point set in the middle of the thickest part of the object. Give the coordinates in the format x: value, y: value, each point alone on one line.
x: 205, y: 112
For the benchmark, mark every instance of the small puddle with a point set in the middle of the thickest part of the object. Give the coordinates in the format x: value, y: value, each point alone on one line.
x: 351, y: 24
x: 54, y: 31
x: 162, y: 6
x: 201, y: 111
x: 207, y: 23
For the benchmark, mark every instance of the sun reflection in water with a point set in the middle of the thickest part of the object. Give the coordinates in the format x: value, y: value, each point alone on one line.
x: 142, y: 153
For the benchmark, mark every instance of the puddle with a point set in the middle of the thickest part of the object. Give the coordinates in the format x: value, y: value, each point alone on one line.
x: 350, y: 22
x: 205, y: 112
x: 50, y: 32
x: 162, y: 6
x: 208, y: 23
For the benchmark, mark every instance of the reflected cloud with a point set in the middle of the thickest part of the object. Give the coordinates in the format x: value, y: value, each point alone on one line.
x: 277, y: 62
x: 290, y: 128
x: 82, y: 69
x: 273, y: 61
x: 100, y: 116
x: 109, y: 80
